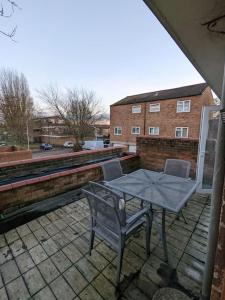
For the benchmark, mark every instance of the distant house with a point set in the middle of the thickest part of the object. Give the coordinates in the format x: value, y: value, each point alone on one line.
x: 172, y: 113
x: 51, y: 129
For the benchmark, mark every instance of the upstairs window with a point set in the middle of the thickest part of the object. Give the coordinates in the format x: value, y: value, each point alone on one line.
x: 135, y: 130
x: 153, y: 130
x: 181, y: 132
x: 154, y: 107
x: 136, y: 109
x: 184, y: 106
x: 118, y: 130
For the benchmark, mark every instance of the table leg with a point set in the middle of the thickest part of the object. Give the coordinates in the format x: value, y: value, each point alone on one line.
x: 164, y: 235
x: 151, y: 221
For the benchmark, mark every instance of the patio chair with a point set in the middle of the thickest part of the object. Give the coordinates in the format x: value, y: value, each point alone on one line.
x: 112, y: 170
x: 110, y: 221
x: 179, y: 168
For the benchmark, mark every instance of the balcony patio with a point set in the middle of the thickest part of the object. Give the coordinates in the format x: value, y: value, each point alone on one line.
x: 47, y: 257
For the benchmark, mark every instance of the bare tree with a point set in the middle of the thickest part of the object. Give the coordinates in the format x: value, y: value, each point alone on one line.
x: 16, y: 105
x: 6, y: 11
x: 78, y: 108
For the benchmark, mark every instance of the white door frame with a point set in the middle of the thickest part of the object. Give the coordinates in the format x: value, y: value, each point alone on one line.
x: 202, y: 144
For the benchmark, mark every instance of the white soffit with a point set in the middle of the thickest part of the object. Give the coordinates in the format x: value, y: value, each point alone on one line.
x: 198, y: 27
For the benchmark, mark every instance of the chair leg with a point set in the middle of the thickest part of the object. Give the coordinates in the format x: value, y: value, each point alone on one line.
x: 182, y: 215
x: 185, y: 221
x: 164, y: 236
x: 148, y: 233
x: 120, y: 261
x: 92, y: 236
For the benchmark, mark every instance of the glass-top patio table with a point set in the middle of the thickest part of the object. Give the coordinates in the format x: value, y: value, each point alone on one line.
x: 165, y: 191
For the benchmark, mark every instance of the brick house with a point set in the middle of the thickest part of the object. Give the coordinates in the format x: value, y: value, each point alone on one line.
x: 166, y: 113
x: 51, y: 129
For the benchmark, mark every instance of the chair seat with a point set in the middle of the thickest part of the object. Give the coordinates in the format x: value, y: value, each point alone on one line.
x: 135, y: 226
x: 112, y: 237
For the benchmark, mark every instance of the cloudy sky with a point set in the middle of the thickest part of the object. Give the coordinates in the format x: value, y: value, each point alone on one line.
x: 116, y: 48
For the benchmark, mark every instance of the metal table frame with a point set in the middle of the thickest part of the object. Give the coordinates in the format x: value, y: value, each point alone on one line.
x: 191, y: 188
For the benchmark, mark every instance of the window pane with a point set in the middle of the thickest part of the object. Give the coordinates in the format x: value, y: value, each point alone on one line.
x: 154, y: 107
x: 186, y: 106
x: 117, y: 130
x: 179, y: 106
x: 184, y: 132
x: 153, y: 130
x: 135, y: 130
x: 178, y: 132
x: 136, y: 109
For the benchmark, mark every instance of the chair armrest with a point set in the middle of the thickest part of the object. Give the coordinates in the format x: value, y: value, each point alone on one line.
x: 137, y: 216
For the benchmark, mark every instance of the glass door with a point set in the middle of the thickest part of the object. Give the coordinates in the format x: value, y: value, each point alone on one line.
x: 207, y: 147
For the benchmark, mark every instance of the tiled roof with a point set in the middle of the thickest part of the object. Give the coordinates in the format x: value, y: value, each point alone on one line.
x: 184, y: 91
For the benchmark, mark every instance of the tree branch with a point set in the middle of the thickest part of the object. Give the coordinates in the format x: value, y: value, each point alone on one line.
x: 4, y: 14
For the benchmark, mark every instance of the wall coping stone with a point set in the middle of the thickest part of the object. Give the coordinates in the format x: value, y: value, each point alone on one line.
x: 31, y: 181
x: 166, y: 139
x: 55, y: 157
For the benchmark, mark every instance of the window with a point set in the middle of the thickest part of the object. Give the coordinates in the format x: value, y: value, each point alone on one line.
x: 117, y: 130
x: 184, y: 106
x: 154, y: 107
x: 153, y: 130
x: 181, y: 132
x: 136, y: 109
x: 135, y: 130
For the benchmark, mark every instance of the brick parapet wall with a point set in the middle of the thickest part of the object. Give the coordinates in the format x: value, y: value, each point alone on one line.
x: 24, y: 167
x: 33, y: 190
x: 10, y: 156
x: 153, y: 152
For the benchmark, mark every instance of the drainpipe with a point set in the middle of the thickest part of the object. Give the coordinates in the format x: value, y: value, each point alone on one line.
x: 216, y: 202
x: 145, y: 112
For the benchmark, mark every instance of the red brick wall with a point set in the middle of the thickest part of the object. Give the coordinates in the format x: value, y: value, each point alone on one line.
x: 33, y: 190
x: 10, y: 148
x: 19, y: 168
x: 153, y: 152
x: 122, y: 116
x: 218, y: 287
x: 15, y: 155
x: 167, y: 119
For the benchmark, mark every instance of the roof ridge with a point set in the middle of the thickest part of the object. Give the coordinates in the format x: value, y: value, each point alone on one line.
x: 188, y: 90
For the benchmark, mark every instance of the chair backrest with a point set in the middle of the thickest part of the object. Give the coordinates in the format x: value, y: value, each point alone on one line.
x: 112, y: 170
x: 107, y: 208
x: 177, y: 167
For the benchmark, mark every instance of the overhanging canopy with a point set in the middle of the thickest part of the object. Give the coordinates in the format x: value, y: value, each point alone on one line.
x: 198, y: 27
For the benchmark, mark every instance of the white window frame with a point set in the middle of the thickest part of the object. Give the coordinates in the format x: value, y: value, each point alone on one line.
x: 181, y: 137
x: 136, y: 127
x: 154, y: 133
x: 136, y: 109
x: 182, y: 102
x: 116, y: 128
x: 152, y: 109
